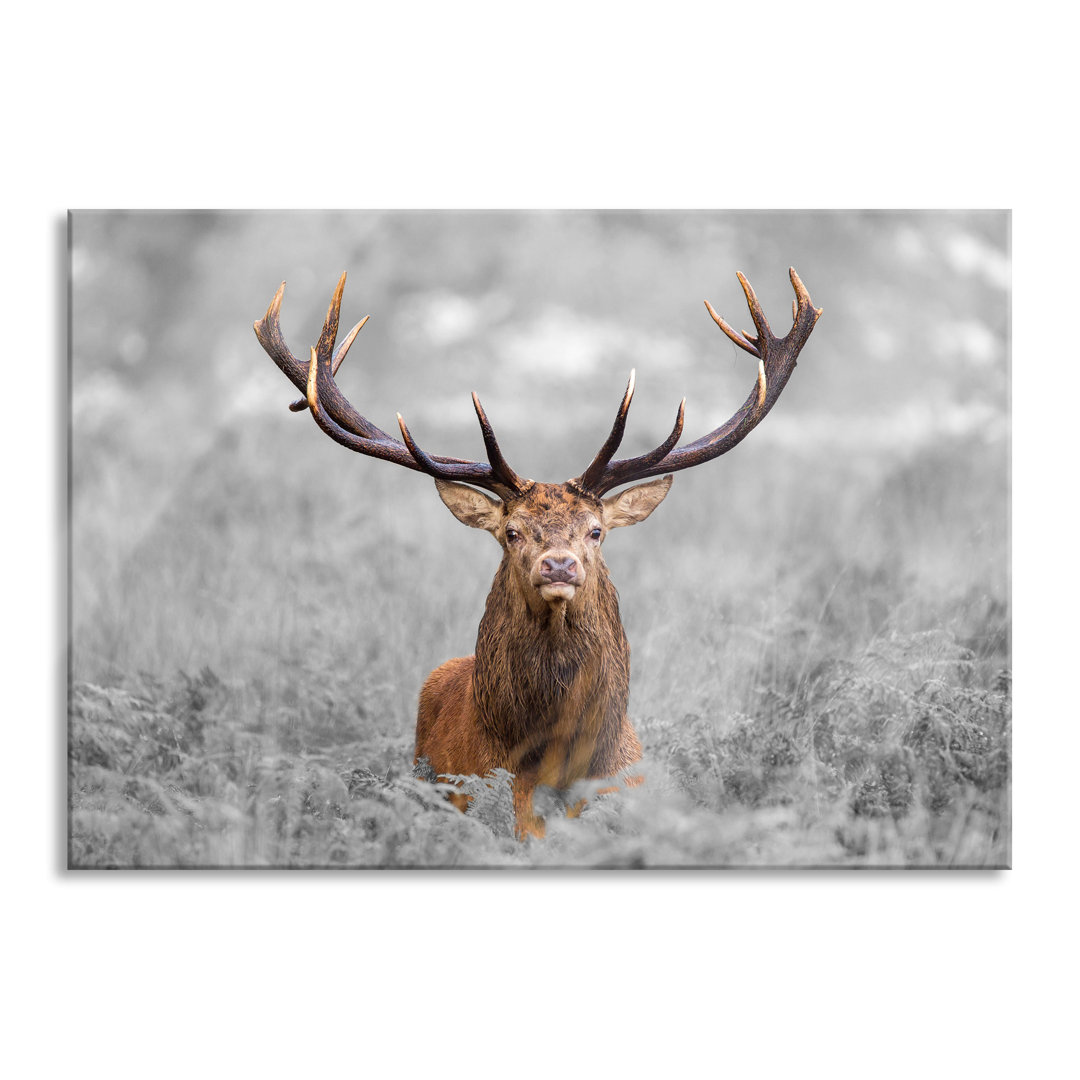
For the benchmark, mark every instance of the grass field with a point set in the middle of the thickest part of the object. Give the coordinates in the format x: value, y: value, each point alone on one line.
x: 819, y: 623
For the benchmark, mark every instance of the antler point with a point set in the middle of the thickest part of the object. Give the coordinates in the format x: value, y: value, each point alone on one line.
x: 275, y: 304
x: 407, y: 436
x: 313, y: 382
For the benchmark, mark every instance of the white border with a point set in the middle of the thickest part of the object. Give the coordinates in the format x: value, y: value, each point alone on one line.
x: 934, y: 105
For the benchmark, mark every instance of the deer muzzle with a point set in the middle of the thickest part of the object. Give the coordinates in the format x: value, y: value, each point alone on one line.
x: 558, y: 575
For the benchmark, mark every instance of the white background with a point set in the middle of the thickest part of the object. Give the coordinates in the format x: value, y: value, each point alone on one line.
x: 489, y: 105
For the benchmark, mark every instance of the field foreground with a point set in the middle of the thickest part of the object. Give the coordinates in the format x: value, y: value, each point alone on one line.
x: 871, y: 767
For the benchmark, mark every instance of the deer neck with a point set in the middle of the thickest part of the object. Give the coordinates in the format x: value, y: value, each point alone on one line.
x: 533, y: 668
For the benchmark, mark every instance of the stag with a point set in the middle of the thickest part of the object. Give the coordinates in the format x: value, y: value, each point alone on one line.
x: 545, y: 694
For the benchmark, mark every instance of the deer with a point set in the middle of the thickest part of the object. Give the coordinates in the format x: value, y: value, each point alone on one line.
x: 545, y: 694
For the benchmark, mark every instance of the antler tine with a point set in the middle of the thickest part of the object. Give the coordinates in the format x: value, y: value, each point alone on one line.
x: 426, y: 463
x: 385, y: 448
x: 330, y: 323
x: 803, y: 303
x: 761, y: 324
x: 268, y: 331
x: 668, y: 444
x: 620, y: 472
x: 589, y: 478
x: 274, y: 310
x: 313, y: 384
x: 504, y: 485
x: 776, y: 361
x: 499, y: 465
x: 300, y: 404
x: 732, y: 333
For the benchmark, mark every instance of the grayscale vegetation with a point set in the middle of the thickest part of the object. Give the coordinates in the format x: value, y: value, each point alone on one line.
x: 819, y: 622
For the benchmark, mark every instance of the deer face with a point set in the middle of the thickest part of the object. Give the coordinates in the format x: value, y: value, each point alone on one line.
x: 551, y: 534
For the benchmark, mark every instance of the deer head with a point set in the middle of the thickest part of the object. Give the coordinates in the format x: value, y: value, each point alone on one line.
x: 551, y: 533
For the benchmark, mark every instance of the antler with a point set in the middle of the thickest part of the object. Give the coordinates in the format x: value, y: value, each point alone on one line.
x: 338, y: 418
x: 776, y: 360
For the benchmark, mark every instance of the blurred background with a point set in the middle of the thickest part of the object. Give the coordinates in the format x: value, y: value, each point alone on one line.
x: 213, y: 530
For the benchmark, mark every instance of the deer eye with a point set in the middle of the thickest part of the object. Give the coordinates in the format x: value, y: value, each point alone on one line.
x: 512, y: 535
x: 596, y: 533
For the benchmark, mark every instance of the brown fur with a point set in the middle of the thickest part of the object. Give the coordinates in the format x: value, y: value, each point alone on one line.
x: 545, y: 694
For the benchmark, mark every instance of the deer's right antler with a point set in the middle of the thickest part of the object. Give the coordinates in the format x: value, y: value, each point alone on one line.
x: 337, y: 417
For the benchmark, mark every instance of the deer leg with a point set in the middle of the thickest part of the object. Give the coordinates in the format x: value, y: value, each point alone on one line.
x: 628, y: 781
x: 528, y: 822
x: 460, y: 801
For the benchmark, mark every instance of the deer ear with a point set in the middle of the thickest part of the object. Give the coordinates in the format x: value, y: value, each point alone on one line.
x: 469, y: 506
x: 635, y: 504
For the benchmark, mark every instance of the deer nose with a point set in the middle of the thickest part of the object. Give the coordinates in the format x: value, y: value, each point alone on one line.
x: 559, y: 568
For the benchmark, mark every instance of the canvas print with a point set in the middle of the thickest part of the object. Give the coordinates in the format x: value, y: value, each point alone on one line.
x: 353, y: 582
